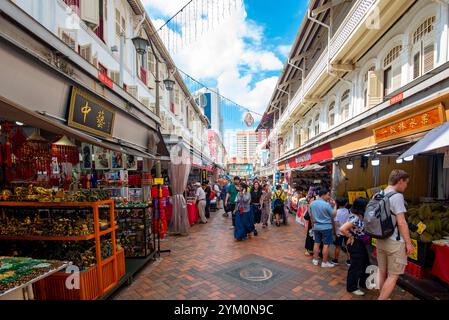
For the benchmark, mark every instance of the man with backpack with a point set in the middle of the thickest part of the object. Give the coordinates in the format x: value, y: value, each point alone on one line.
x: 279, y: 198
x: 385, y: 220
x: 322, y: 216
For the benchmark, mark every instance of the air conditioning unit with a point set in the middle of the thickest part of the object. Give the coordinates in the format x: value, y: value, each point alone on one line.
x: 115, y: 76
x: 69, y: 37
x: 132, y: 90
x: 86, y: 52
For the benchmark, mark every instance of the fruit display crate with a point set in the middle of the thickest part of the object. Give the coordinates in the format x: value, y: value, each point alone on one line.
x: 96, y: 278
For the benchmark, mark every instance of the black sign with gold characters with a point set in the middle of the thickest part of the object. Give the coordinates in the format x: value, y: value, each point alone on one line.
x: 90, y: 114
x: 203, y: 175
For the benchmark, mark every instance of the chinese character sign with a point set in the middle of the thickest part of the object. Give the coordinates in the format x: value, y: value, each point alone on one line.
x: 90, y: 114
x: 419, y: 122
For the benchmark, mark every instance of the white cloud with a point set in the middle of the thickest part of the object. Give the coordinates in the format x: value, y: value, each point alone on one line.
x: 284, y: 50
x: 229, y: 53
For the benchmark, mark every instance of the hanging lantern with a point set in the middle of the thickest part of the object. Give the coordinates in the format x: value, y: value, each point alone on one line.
x: 248, y: 119
x: 65, y: 151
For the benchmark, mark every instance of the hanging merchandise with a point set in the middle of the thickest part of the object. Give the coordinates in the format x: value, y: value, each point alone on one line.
x: 32, y: 155
x: 65, y: 151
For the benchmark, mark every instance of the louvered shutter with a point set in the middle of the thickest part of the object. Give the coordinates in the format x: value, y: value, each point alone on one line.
x: 395, y: 76
x: 429, y: 54
x: 374, y: 89
x: 90, y: 11
x: 416, y: 65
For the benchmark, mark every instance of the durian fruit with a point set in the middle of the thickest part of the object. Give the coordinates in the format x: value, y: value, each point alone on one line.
x: 426, y: 237
x: 425, y: 212
x: 430, y: 226
x: 437, y: 236
x: 414, y: 235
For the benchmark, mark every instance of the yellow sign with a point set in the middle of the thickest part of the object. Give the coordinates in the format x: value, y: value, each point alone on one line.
x: 352, y: 195
x: 418, y: 122
x: 414, y: 254
x: 158, y: 181
x: 374, y: 242
x: 421, y: 227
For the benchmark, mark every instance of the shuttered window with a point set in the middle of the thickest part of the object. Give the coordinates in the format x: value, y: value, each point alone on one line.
x: 424, y: 48
x: 428, y: 57
x: 392, y: 70
x: 365, y: 85
x: 331, y: 114
x: 345, y: 105
x: 317, y: 124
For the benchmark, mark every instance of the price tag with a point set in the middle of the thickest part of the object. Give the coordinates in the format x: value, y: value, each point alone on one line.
x: 421, y: 227
x: 159, y: 181
x: 414, y: 254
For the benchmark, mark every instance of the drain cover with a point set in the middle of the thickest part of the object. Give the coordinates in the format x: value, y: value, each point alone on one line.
x: 256, y: 273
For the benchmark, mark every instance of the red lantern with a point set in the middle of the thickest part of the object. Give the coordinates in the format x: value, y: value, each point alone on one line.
x: 65, y: 151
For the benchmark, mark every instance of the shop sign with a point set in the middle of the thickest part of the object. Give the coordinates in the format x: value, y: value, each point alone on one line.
x: 90, y: 114
x: 203, y: 175
x: 352, y: 195
x: 321, y: 153
x: 105, y: 79
x: 157, y: 181
x: 419, y: 122
x: 397, y: 98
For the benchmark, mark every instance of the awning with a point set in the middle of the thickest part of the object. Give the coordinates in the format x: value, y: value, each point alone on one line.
x: 14, y: 112
x: 435, y: 139
x: 309, y: 167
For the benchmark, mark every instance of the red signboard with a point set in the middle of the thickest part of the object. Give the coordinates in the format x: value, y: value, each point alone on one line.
x: 321, y: 153
x: 396, y: 98
x: 104, y: 79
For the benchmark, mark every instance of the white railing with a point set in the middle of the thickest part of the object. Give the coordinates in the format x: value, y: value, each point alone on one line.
x: 353, y: 20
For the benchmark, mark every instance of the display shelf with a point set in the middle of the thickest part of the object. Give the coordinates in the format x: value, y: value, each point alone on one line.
x: 135, y: 233
x: 56, y: 238
x: 96, y: 280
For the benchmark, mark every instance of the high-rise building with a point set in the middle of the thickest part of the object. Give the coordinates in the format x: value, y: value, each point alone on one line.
x: 247, y: 142
x: 210, y: 102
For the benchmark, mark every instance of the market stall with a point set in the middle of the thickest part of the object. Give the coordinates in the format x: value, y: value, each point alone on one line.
x: 18, y: 274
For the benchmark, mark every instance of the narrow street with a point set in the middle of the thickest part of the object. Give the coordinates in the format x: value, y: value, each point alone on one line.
x: 208, y: 264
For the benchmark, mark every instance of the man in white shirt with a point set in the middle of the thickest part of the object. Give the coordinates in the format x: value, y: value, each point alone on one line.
x: 217, y: 192
x: 392, y: 252
x: 200, y: 197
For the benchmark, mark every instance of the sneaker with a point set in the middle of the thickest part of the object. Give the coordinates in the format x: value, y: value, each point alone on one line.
x: 358, y: 293
x: 315, y: 262
x: 348, y: 263
x: 335, y: 261
x: 327, y: 265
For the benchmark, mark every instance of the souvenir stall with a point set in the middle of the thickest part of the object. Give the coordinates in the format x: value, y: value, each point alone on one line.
x: 65, y: 202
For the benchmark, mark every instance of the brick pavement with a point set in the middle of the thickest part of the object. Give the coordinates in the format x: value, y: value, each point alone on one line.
x: 189, y: 272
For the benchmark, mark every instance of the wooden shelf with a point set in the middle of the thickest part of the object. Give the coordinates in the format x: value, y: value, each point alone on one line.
x: 58, y: 238
x: 53, y: 204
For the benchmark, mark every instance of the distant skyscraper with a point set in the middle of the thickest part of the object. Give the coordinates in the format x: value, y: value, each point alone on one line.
x: 247, y: 142
x: 210, y: 102
x: 230, y: 143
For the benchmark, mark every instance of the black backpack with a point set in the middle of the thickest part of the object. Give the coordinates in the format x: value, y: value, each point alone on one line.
x: 278, y: 203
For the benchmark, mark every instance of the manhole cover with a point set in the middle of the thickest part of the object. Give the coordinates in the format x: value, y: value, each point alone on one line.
x: 256, y: 273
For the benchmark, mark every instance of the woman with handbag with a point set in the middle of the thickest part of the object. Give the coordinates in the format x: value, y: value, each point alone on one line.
x: 242, y: 214
x: 356, y: 244
x: 266, y: 205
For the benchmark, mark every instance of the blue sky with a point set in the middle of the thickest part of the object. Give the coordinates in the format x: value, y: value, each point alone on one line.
x: 243, y: 54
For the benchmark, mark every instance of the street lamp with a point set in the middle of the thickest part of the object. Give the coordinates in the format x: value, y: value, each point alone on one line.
x: 409, y: 158
x: 169, y: 84
x: 399, y: 160
x: 141, y: 44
